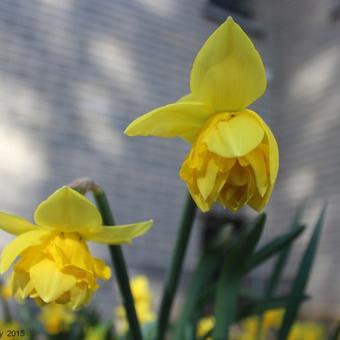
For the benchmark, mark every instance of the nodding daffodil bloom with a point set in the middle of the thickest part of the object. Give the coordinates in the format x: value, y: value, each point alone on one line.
x: 55, y: 264
x: 234, y: 156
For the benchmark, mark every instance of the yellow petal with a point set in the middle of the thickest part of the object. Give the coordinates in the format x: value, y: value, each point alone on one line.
x: 273, y: 148
x: 257, y: 202
x: 19, y: 284
x: 79, y: 296
x: 70, y: 252
x: 257, y: 162
x: 119, y: 234
x: 49, y: 282
x: 18, y: 245
x: 15, y: 225
x: 207, y: 183
x: 67, y: 210
x: 228, y: 72
x: 102, y: 270
x: 182, y: 119
x: 235, y: 137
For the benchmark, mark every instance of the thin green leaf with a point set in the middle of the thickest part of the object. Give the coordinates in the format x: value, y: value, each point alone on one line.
x: 301, y: 279
x: 263, y: 305
x: 275, y: 246
x: 282, y: 259
x: 200, y: 278
x: 228, y: 286
x: 336, y: 334
x: 149, y: 330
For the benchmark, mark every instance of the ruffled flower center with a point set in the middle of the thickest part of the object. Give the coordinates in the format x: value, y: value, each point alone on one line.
x: 232, y: 180
x: 61, y: 269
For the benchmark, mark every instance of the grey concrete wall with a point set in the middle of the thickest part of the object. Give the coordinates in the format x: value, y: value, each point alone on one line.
x: 306, y: 118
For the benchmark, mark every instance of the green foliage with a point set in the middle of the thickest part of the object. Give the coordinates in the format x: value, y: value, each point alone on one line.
x: 301, y: 279
x: 220, y: 274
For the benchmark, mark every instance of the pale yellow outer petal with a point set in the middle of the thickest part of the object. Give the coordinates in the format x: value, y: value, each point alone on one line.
x: 18, y: 245
x: 119, y: 234
x: 273, y: 148
x: 53, y: 283
x: 182, y: 119
x: 67, y: 210
x: 228, y: 72
x: 15, y: 225
x: 235, y: 137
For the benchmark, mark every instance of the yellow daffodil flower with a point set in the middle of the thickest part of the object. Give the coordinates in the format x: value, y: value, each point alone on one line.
x: 273, y: 318
x: 142, y: 297
x: 56, y: 318
x: 234, y: 157
x: 307, y: 330
x: 205, y: 325
x: 55, y: 264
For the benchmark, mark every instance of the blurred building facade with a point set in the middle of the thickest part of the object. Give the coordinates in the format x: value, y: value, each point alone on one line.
x: 75, y: 73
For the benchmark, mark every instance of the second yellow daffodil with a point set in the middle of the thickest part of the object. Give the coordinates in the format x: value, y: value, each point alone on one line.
x: 234, y: 157
x: 55, y: 264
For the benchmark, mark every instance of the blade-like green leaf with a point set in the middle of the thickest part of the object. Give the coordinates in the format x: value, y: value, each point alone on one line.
x: 200, y: 278
x: 263, y: 305
x: 275, y: 246
x: 301, y: 279
x: 336, y: 334
x: 228, y: 286
x: 282, y: 259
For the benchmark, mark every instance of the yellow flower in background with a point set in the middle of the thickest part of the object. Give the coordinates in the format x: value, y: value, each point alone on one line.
x: 56, y: 318
x: 4, y: 291
x: 97, y: 332
x: 234, y: 157
x: 205, y: 325
x: 142, y: 297
x: 273, y: 318
x: 140, y: 288
x: 55, y: 264
x: 307, y: 331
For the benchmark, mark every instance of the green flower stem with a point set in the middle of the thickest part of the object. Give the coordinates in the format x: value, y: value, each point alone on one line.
x: 172, y: 279
x: 119, y: 266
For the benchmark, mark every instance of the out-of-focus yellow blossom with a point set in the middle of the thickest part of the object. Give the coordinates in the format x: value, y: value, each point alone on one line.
x: 56, y: 318
x: 273, y: 318
x: 205, y: 325
x: 234, y: 157
x: 250, y: 326
x: 55, y: 264
x: 307, y: 331
x: 142, y: 297
x: 4, y: 291
x: 98, y: 332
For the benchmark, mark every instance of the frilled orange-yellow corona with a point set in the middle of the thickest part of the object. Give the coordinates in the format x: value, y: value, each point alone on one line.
x: 234, y: 158
x: 55, y: 264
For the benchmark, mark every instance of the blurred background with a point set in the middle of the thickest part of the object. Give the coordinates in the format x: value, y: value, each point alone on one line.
x: 75, y: 73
